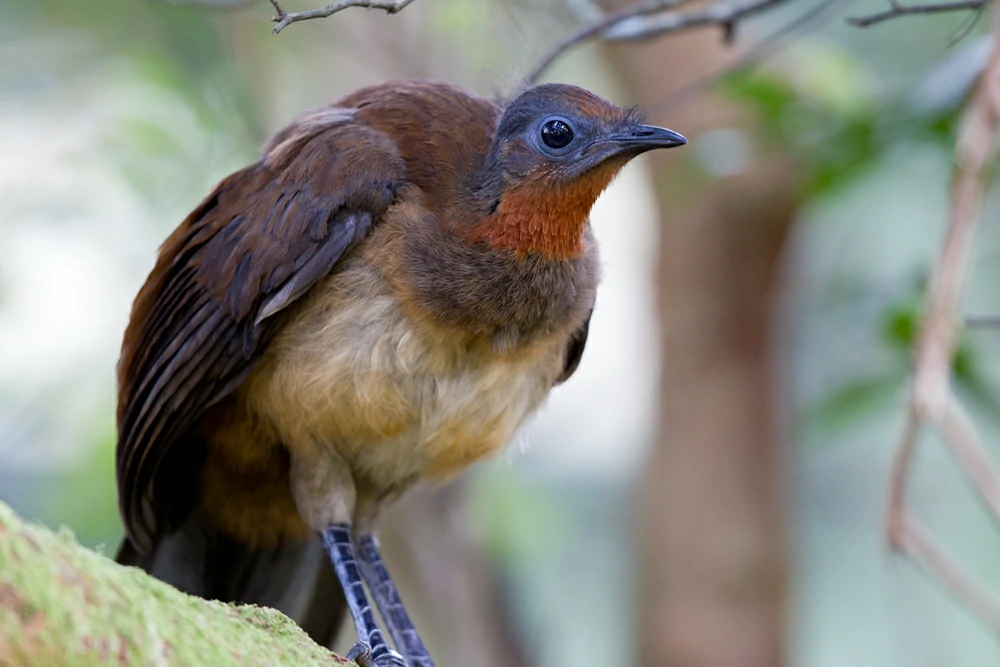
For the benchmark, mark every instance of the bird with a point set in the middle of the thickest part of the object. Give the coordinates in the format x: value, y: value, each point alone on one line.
x: 382, y: 298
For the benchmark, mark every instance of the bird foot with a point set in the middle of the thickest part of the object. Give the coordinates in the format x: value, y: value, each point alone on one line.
x: 361, y: 655
x: 390, y: 659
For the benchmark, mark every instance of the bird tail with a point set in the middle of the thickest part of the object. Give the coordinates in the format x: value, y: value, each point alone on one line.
x: 295, y: 577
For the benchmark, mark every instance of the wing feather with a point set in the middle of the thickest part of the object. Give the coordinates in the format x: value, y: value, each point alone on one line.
x: 255, y: 246
x: 574, y: 349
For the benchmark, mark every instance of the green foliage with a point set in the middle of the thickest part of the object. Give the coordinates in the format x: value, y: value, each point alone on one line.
x: 821, y: 111
x: 858, y: 398
x: 868, y: 393
x: 900, y: 327
x: 821, y: 106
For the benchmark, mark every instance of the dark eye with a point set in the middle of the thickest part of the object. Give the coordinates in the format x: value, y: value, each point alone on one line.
x: 557, y: 134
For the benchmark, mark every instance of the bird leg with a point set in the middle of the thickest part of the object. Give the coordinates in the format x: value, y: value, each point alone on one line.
x: 371, y: 647
x: 326, y: 497
x: 390, y: 605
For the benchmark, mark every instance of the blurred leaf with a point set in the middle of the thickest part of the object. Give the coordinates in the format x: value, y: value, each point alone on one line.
x: 832, y: 77
x: 834, y: 141
x: 900, y: 323
x: 518, y: 519
x: 149, y: 138
x: 862, y: 396
x: 971, y: 380
x: 846, y: 153
x: 820, y: 105
x: 857, y: 398
x: 766, y: 93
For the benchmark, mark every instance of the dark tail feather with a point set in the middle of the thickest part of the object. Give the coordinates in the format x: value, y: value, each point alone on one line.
x: 327, y: 607
x: 295, y: 577
x: 128, y: 555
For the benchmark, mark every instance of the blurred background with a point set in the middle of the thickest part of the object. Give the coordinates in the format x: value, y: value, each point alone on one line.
x: 709, y: 488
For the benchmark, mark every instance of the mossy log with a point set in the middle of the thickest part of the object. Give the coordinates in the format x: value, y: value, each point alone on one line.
x: 62, y: 605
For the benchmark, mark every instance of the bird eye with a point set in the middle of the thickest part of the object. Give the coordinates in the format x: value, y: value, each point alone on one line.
x: 557, y: 134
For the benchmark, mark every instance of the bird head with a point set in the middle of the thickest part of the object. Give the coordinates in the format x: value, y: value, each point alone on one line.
x: 557, y: 134
x: 556, y: 148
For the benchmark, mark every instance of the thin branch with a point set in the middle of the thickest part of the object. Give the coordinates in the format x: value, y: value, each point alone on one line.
x: 982, y: 322
x: 764, y: 48
x: 931, y: 400
x: 594, y: 29
x: 897, y: 10
x: 912, y: 540
x: 724, y: 14
x: 660, y: 17
x: 899, y: 476
x: 284, y: 19
x: 967, y: 26
x: 958, y: 429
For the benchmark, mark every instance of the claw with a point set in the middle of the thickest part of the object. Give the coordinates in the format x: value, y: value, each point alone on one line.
x: 389, y: 658
x: 361, y: 655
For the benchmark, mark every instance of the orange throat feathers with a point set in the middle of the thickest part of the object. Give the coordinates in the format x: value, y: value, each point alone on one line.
x: 542, y: 217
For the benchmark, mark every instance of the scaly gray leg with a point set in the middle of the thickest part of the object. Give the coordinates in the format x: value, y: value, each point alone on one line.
x: 371, y: 648
x: 390, y: 605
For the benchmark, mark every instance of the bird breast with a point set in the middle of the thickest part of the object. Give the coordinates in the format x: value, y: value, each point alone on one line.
x: 363, y: 371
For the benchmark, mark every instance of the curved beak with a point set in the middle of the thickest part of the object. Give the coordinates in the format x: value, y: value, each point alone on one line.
x: 647, y: 138
x: 626, y: 144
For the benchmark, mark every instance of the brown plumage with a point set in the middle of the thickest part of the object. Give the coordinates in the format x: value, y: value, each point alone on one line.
x: 383, y: 297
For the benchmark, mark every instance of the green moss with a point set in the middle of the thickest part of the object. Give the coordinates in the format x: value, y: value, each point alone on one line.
x: 61, y: 605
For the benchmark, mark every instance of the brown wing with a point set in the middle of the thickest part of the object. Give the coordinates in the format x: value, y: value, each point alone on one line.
x: 574, y: 349
x: 255, y: 245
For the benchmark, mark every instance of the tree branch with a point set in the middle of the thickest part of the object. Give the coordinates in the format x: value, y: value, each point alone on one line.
x: 724, y: 14
x: 62, y: 604
x: 932, y: 401
x: 596, y: 27
x: 653, y: 19
x: 284, y: 19
x: 912, y: 540
x: 897, y: 10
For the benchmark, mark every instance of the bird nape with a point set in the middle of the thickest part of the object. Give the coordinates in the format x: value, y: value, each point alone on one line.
x: 383, y: 297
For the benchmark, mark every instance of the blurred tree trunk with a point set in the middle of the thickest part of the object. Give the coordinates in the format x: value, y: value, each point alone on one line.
x: 712, y: 506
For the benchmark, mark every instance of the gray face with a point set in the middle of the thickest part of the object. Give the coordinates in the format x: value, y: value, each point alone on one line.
x: 565, y: 131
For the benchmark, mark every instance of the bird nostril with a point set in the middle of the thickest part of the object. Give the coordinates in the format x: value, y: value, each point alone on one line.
x: 642, y: 133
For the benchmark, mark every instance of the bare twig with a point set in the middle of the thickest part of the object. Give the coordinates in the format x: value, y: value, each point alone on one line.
x: 284, y: 19
x: 912, y: 539
x: 723, y: 14
x: 982, y: 322
x: 594, y: 29
x: 660, y: 17
x: 765, y: 47
x: 960, y: 432
x: 652, y: 19
x: 897, y: 10
x: 967, y: 26
x: 932, y: 401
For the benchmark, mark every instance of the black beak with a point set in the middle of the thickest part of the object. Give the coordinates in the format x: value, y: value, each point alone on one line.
x: 647, y: 138
x: 627, y: 144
